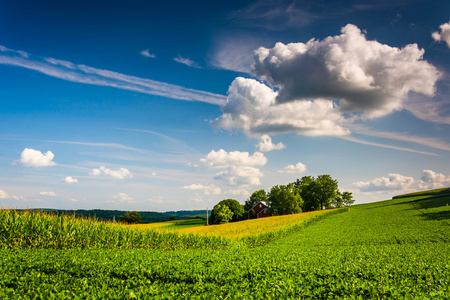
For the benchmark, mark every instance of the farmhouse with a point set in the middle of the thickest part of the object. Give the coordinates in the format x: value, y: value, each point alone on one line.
x: 260, y: 210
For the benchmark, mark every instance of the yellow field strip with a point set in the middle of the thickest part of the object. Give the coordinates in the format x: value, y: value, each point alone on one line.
x: 252, y: 227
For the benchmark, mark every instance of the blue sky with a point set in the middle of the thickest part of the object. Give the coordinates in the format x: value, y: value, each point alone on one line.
x: 167, y: 106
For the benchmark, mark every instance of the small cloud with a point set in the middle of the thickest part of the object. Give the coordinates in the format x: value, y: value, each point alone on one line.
x: 393, y: 182
x: 155, y: 200
x: 50, y: 194
x: 266, y: 144
x: 186, y: 61
x: 69, y: 179
x: 146, y: 53
x: 244, y: 193
x: 122, y: 173
x: 207, y: 189
x: 298, y: 168
x: 240, y: 175
x: 74, y: 200
x: 223, y: 159
x: 35, y: 158
x: 3, y: 195
x: 124, y: 198
x: 444, y: 35
x: 433, y: 180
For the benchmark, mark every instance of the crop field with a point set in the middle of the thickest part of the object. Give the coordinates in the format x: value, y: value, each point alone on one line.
x: 396, y: 249
x: 170, y: 225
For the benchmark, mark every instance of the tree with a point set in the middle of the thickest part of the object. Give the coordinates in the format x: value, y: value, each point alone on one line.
x: 234, y: 206
x: 255, y: 198
x: 306, y: 187
x: 326, y: 190
x: 222, y: 214
x: 285, y: 199
x: 131, y: 217
x: 347, y: 198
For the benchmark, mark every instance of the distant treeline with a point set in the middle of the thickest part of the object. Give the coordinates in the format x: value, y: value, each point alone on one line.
x: 147, y: 216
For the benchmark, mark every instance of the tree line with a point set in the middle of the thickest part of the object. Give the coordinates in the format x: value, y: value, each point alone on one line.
x: 303, y: 195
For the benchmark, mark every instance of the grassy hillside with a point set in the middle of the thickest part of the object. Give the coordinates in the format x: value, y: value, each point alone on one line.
x: 394, y: 249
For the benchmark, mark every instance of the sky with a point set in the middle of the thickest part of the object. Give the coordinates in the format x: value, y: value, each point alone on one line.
x: 176, y: 105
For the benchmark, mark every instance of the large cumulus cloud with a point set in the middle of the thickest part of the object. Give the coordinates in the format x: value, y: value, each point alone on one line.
x: 318, y: 87
x: 362, y: 75
x: 252, y: 108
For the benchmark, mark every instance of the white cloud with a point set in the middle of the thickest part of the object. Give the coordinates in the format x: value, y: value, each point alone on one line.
x: 223, y: 159
x: 35, y: 158
x: 158, y: 200
x: 238, y: 165
x: 444, y: 35
x: 298, y: 168
x: 50, y: 194
x: 240, y: 175
x: 186, y: 61
x: 3, y: 195
x: 124, y: 198
x: 364, y: 76
x: 122, y: 173
x: 69, y: 179
x: 266, y: 144
x: 88, y: 75
x: 207, y: 189
x: 242, y: 192
x: 251, y: 107
x: 392, y: 182
x: 146, y: 53
x: 433, y: 180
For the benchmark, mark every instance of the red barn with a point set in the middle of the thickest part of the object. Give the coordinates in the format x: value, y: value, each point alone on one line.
x: 260, y: 210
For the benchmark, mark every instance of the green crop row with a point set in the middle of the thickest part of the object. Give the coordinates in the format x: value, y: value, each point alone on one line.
x: 32, y: 229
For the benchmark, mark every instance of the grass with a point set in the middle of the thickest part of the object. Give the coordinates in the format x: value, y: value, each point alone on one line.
x: 396, y: 249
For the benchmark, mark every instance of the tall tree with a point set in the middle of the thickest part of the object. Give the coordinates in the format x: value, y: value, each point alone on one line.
x: 284, y: 199
x: 347, y: 198
x: 235, y: 207
x: 306, y: 187
x: 222, y: 214
x: 326, y: 190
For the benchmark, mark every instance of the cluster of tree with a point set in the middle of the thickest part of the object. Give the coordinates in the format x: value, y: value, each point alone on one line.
x: 147, y: 216
x: 228, y: 210
x: 131, y: 217
x: 305, y: 194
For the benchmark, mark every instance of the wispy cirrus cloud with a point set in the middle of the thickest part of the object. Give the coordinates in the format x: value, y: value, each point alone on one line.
x: 88, y: 75
x: 146, y: 53
x: 398, y: 136
x: 187, y: 61
x: 360, y: 141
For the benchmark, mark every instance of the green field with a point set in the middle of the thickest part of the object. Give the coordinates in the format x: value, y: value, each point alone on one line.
x: 396, y: 249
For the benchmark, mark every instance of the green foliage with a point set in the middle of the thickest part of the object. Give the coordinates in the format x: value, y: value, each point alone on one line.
x: 131, y: 217
x: 396, y: 249
x: 234, y: 206
x: 31, y: 229
x: 255, y: 198
x: 321, y: 193
x: 285, y: 199
x: 147, y: 216
x: 222, y: 214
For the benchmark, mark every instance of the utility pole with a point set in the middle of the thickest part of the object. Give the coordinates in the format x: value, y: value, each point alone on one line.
x: 207, y: 222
